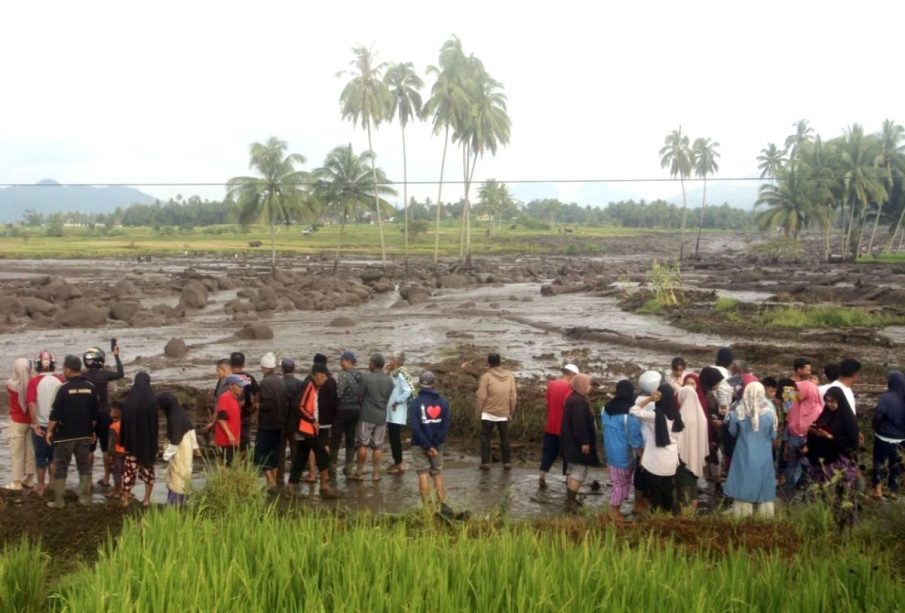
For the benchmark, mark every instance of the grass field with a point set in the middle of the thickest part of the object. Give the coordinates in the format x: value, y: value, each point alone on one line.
x: 359, y: 240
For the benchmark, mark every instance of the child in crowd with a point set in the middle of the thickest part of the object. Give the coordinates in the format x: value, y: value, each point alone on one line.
x: 115, y: 451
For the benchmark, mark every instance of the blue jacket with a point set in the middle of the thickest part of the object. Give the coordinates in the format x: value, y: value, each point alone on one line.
x: 429, y: 419
x: 621, y: 434
x: 889, y: 416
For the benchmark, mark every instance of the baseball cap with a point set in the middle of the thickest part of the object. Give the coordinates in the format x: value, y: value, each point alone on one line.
x: 349, y: 357
x: 287, y: 364
x: 572, y: 369
x: 268, y: 360
x: 236, y: 380
x: 427, y: 378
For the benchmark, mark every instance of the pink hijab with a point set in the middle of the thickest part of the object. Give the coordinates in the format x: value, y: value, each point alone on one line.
x: 806, y: 409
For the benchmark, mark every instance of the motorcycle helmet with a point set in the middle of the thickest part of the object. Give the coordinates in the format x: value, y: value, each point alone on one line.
x: 45, y: 362
x: 94, y: 358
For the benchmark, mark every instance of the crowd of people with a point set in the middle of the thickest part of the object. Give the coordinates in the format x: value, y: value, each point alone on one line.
x: 754, y: 438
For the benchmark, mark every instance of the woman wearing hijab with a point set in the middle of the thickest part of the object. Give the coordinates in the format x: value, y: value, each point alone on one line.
x: 710, y: 379
x: 578, y: 438
x: 139, y: 437
x: 18, y: 434
x: 622, y: 441
x: 752, y: 478
x: 805, y: 407
x: 831, y: 449
x: 180, y: 450
x: 693, y: 445
x: 661, y: 427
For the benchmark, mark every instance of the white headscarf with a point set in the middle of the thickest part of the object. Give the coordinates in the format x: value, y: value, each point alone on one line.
x: 753, y: 404
x: 692, y: 443
x: 18, y: 381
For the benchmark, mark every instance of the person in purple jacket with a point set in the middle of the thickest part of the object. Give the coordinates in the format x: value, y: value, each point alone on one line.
x: 429, y: 419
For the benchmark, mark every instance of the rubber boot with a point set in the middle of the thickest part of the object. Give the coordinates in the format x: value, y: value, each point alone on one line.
x: 85, y: 491
x: 766, y: 509
x: 59, y: 489
x: 572, y: 503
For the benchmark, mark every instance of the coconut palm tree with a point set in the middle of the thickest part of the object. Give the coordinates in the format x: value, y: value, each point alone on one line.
x: 404, y: 86
x: 857, y: 153
x: 803, y: 134
x: 346, y: 185
x: 704, y: 156
x: 273, y: 196
x: 676, y: 155
x: 445, y: 105
x: 793, y: 202
x: 366, y: 100
x: 770, y: 160
x: 494, y: 198
x: 891, y: 161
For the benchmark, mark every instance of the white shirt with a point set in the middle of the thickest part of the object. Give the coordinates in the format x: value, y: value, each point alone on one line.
x: 660, y: 461
x: 494, y: 418
x: 849, y: 394
x: 47, y: 393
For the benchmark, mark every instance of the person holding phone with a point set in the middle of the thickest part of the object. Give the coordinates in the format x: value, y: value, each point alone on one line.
x: 94, y: 360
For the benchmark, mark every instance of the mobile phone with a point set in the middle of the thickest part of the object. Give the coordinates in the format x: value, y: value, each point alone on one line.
x: 112, y: 344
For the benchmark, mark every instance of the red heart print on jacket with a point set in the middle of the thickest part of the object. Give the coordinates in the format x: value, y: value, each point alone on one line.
x: 434, y: 411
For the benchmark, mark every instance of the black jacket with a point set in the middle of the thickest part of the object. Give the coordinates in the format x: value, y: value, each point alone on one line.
x: 578, y: 428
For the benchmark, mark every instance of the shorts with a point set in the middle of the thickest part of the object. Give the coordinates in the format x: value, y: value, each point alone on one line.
x: 102, y: 431
x: 424, y: 464
x: 43, y: 451
x: 370, y: 435
x: 577, y: 472
x: 267, y: 447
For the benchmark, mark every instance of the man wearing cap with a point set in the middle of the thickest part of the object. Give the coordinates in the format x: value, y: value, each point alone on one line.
x: 376, y: 389
x: 557, y: 392
x: 251, y: 396
x: 294, y: 388
x: 227, y: 424
x: 429, y: 418
x: 274, y: 404
x: 348, y: 410
x: 39, y: 397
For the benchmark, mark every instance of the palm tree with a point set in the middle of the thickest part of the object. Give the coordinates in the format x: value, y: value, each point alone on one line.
x: 770, y: 160
x: 343, y: 184
x: 803, y: 134
x: 445, y: 105
x: 857, y: 153
x: 891, y: 161
x: 273, y: 196
x: 704, y: 159
x: 794, y: 201
x: 819, y: 162
x: 494, y: 198
x: 366, y: 100
x: 404, y: 86
x: 676, y: 154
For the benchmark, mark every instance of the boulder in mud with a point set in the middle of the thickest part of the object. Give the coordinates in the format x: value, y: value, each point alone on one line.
x: 58, y: 291
x: 147, y: 319
x: 400, y: 304
x: 342, y: 322
x: 194, y: 295
x: 124, y: 288
x: 10, y: 305
x: 36, y: 307
x: 266, y: 299
x: 255, y: 332
x: 175, y: 348
x: 453, y: 282
x: 81, y: 316
x: 124, y: 310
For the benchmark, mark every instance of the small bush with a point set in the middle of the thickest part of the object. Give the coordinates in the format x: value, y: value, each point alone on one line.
x: 823, y: 317
x: 725, y: 304
x: 227, y: 487
x: 651, y: 306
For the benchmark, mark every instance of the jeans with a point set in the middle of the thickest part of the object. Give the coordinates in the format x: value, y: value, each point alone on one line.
x: 43, y: 451
x: 62, y: 455
x: 344, y: 427
x: 395, y: 433
x: 887, y: 452
x: 486, y: 432
x: 549, y: 452
x: 794, y: 470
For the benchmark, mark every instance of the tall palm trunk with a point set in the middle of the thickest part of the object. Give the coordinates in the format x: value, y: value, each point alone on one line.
x: 273, y: 234
x: 439, y: 196
x: 684, y: 215
x: 470, y: 176
x: 697, y: 244
x: 895, y: 232
x: 405, y: 209
x: 339, y: 247
x: 873, y: 234
x: 464, y: 221
x: 383, y: 248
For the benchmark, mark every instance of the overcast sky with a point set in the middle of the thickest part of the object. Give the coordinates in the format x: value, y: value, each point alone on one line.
x: 97, y: 92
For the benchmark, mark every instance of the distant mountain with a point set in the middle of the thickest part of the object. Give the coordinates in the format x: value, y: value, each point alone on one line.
x: 595, y: 194
x: 48, y: 196
x: 739, y: 194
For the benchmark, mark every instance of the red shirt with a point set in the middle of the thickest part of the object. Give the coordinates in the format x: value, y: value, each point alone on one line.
x: 16, y: 411
x: 227, y: 410
x: 557, y: 392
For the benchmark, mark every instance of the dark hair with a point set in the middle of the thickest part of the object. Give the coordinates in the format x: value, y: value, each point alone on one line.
x: 288, y: 368
x: 831, y: 372
x: 494, y: 359
x: 769, y: 382
x: 73, y: 363
x: 237, y: 358
x: 223, y: 362
x: 319, y: 368
x: 800, y: 363
x: 377, y: 361
x: 724, y: 357
x: 319, y: 358
x: 783, y: 384
x: 678, y: 362
x: 849, y: 367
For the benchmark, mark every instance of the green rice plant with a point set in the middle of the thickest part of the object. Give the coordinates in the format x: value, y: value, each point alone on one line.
x: 651, y: 307
x: 823, y: 317
x: 666, y: 280
x: 724, y: 304
x: 23, y: 577
x: 227, y: 487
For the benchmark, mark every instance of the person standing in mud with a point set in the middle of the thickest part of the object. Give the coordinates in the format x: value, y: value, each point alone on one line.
x: 139, y: 435
x: 250, y: 400
x: 578, y: 438
x: 752, y: 479
x: 304, y: 426
x: 326, y: 412
x: 622, y: 442
x: 398, y: 408
x: 294, y: 388
x: 19, y: 431
x: 274, y: 403
x: 42, y: 390
x: 348, y: 411
x: 100, y: 377
x: 889, y: 436
x: 227, y: 422
x: 181, y: 447
x: 557, y: 392
x: 711, y: 378
x: 376, y: 389
x: 496, y: 401
x: 430, y: 420
x: 661, y: 428
x: 71, y: 431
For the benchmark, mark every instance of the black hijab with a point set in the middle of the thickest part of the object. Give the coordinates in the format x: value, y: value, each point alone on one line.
x: 178, y: 420
x: 666, y: 409
x: 841, y: 423
x: 140, y: 421
x: 624, y: 400
x: 710, y: 378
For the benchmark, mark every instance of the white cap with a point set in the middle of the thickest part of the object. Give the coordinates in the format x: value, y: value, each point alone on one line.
x: 269, y: 361
x: 572, y: 369
x: 649, y: 381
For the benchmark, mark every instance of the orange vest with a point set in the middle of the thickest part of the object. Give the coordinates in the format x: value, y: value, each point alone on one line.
x: 115, y: 426
x: 307, y: 405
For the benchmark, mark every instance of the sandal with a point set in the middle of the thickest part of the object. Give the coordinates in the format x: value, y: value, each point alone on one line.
x: 355, y: 477
x: 376, y: 478
x: 102, y: 484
